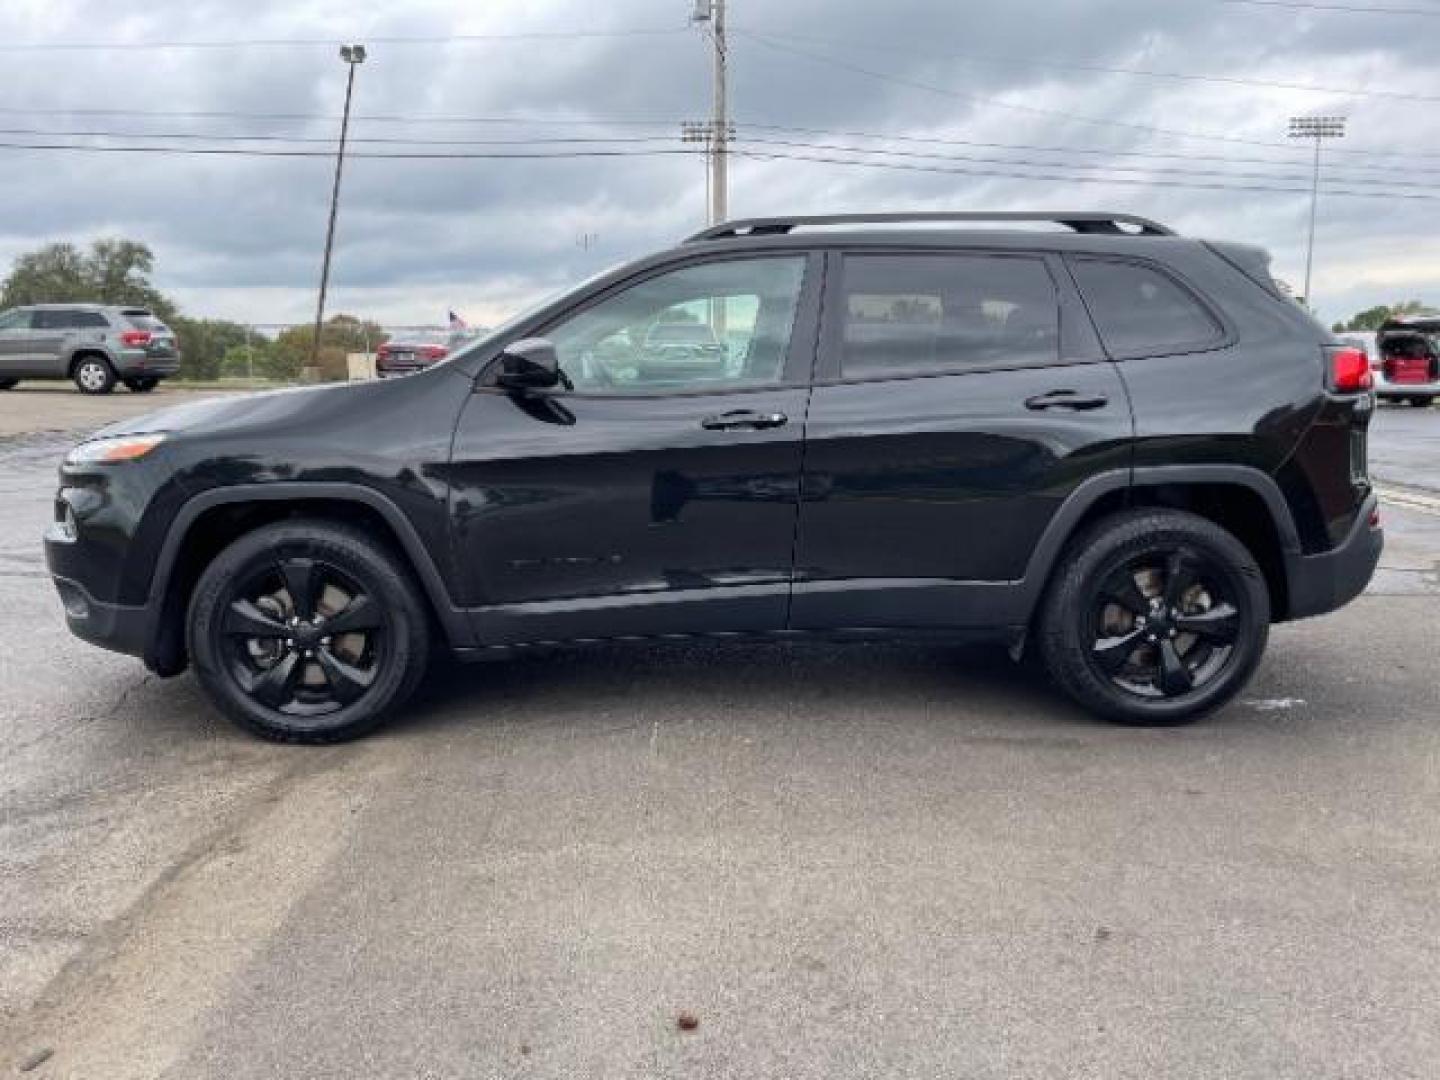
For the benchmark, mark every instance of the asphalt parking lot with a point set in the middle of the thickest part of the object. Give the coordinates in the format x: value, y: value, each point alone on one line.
x: 841, y: 861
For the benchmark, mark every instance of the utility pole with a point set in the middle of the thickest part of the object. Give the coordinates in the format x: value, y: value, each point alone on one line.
x: 1318, y: 128
x: 721, y: 130
x: 353, y: 55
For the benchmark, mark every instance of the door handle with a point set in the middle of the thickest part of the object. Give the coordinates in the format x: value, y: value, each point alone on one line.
x: 1066, y: 399
x: 743, y: 419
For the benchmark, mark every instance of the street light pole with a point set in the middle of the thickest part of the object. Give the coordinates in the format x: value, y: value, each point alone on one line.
x: 1317, y: 128
x: 353, y: 55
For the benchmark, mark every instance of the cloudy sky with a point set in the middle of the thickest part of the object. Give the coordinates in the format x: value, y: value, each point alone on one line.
x: 1176, y: 110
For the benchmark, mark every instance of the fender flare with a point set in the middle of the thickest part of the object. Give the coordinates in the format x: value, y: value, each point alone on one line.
x: 1062, y: 525
x: 452, y: 619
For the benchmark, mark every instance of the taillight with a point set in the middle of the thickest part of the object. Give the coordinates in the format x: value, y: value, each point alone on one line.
x: 1350, y: 371
x: 434, y: 352
x: 135, y: 337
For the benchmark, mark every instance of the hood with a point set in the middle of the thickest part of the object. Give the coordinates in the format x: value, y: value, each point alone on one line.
x: 228, y: 410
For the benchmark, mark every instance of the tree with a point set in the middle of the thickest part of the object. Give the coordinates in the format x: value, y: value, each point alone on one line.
x: 203, y: 344
x: 111, y: 272
x: 255, y: 358
x: 339, y: 335
x: 1375, y: 317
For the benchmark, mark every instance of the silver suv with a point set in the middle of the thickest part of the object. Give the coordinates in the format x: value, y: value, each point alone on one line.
x: 96, y: 345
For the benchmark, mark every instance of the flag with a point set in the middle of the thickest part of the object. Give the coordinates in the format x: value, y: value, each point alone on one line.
x: 456, y: 322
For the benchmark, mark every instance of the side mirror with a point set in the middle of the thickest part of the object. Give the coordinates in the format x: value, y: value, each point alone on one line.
x: 529, y: 364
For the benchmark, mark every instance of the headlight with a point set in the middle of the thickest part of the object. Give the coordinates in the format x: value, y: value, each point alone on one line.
x: 114, y: 449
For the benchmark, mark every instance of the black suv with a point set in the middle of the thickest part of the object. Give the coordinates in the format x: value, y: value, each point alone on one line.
x: 1127, y: 449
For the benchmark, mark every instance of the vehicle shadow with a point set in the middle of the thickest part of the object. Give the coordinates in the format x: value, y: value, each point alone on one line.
x: 611, y: 686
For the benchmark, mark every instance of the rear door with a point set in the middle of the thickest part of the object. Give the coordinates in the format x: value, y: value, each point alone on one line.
x: 961, y: 396
x: 48, y: 338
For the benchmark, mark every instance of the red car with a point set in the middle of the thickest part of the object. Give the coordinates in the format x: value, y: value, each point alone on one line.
x: 412, y: 351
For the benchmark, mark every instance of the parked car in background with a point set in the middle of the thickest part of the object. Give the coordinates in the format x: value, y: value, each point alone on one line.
x: 94, y: 345
x: 411, y: 351
x: 1407, y: 359
x: 1121, y: 448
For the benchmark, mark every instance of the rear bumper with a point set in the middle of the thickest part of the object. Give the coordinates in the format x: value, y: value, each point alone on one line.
x: 137, y: 363
x: 1325, y: 582
x: 1386, y: 389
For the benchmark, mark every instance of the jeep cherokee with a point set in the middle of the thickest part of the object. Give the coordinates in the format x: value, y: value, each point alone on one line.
x: 1073, y: 432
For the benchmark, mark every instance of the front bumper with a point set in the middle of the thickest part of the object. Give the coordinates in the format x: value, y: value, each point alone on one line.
x: 116, y: 627
x: 1325, y: 582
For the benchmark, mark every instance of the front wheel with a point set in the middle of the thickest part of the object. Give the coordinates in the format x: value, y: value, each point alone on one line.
x: 307, y: 632
x: 1155, y: 617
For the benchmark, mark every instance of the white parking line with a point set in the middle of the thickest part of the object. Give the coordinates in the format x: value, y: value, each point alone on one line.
x: 1410, y: 500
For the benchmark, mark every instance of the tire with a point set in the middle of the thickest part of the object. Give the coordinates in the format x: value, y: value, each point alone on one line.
x: 1125, y: 659
x: 8, y: 384
x: 1421, y: 402
x: 309, y: 686
x: 93, y: 374
x: 142, y: 385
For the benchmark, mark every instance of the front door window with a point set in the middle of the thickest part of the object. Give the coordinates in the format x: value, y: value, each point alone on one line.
x: 710, y: 327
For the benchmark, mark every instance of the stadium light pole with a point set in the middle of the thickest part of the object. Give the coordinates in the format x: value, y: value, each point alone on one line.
x: 354, y: 56
x: 1318, y: 128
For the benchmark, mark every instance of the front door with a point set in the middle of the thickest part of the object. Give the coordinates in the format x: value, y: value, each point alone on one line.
x: 659, y: 495
x: 15, y: 343
x: 960, y: 398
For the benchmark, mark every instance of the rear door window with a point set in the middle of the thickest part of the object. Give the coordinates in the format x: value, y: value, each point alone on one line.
x: 924, y: 314
x: 1140, y: 311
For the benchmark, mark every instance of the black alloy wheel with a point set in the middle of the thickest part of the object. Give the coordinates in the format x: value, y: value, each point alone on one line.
x: 301, y: 637
x: 1164, y: 624
x: 1154, y: 617
x: 307, y: 632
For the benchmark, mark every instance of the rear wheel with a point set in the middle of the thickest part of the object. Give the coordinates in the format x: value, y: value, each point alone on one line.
x: 93, y: 375
x: 1421, y: 402
x: 308, y: 632
x: 1155, y: 617
x: 142, y: 385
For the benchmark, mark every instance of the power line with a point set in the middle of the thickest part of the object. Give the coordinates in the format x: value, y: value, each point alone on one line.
x: 1085, y: 150
x: 786, y: 155
x: 1011, y: 60
x: 1349, y: 9
x: 1146, y: 171
x: 386, y: 118
x: 194, y: 136
x: 252, y: 43
x: 232, y: 151
x: 1061, y: 178
x: 614, y: 140
x: 998, y: 103
x: 1098, y: 121
x: 665, y: 124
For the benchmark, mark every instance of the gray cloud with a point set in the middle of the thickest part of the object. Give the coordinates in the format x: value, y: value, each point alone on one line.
x: 241, y: 236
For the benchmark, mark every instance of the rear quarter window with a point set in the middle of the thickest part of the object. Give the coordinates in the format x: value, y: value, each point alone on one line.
x: 143, y: 320
x: 1141, y: 311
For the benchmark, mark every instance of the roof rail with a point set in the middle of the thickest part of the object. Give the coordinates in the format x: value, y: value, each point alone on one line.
x: 1082, y: 221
